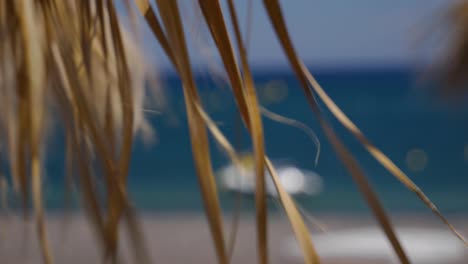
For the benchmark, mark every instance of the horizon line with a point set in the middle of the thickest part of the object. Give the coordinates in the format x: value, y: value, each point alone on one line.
x: 318, y: 68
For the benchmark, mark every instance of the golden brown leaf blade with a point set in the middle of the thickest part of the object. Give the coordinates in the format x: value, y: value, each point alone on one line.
x: 276, y: 18
x: 297, y: 223
x: 175, y: 34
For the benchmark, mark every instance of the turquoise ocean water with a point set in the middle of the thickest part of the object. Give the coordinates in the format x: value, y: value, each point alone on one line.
x: 426, y: 137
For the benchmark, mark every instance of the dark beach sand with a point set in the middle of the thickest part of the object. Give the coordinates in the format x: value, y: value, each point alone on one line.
x: 178, y: 238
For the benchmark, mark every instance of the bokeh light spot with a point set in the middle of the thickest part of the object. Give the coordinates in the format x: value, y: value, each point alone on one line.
x: 274, y: 92
x: 465, y: 153
x: 416, y: 160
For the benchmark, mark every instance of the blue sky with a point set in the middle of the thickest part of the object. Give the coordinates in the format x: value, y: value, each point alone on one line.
x: 341, y: 33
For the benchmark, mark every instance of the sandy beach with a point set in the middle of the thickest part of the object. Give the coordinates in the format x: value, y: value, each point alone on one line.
x: 181, y: 238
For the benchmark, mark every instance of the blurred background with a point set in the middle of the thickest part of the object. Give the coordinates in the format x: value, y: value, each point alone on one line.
x: 378, y: 60
x: 371, y: 57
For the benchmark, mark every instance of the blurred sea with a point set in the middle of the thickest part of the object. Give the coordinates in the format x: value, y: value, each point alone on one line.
x: 425, y: 136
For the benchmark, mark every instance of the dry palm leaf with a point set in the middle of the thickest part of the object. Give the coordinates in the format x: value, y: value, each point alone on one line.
x: 75, y: 56
x: 175, y: 47
x: 294, y: 123
x: 72, y: 55
x: 286, y: 200
x: 213, y: 16
x: 276, y: 18
x: 306, y: 78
